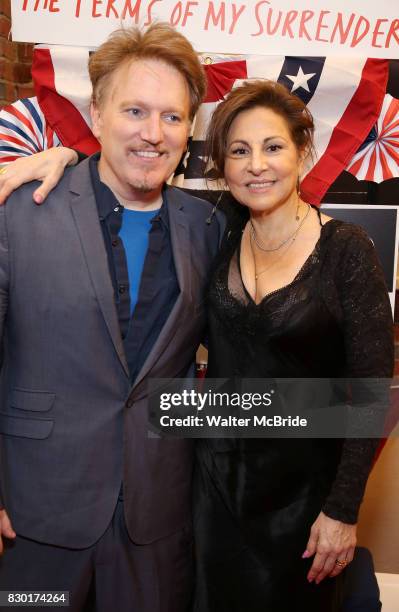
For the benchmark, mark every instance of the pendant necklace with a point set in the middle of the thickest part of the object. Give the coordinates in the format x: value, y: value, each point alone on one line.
x: 290, y: 240
x: 257, y: 274
x: 291, y: 237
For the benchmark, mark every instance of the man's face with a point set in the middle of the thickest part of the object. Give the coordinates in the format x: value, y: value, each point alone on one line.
x: 143, y: 125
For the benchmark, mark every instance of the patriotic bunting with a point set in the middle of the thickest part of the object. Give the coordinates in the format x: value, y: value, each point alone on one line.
x: 345, y: 96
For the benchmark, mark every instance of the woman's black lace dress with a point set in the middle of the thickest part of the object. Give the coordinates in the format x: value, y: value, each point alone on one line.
x: 256, y: 499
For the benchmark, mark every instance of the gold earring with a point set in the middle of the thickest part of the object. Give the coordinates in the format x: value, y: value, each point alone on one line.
x: 298, y: 191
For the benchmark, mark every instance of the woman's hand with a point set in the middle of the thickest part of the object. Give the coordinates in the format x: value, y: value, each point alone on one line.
x: 6, y: 530
x: 330, y: 541
x: 47, y: 166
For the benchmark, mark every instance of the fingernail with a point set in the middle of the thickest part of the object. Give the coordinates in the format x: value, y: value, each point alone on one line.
x: 38, y: 199
x: 306, y: 554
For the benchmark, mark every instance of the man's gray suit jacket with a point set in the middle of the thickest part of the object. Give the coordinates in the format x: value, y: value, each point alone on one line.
x: 73, y: 428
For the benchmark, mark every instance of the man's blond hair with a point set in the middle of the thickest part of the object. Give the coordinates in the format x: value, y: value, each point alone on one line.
x: 159, y: 42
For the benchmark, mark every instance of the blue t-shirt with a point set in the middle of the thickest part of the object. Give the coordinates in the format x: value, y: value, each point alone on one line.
x: 136, y: 225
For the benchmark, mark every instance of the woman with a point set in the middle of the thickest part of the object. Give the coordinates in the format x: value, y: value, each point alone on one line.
x: 295, y: 294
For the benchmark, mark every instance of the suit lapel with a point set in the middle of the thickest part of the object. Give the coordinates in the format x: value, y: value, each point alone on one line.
x: 85, y: 214
x: 180, y: 240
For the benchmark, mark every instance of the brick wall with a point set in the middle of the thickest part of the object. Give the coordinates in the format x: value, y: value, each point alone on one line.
x: 15, y: 62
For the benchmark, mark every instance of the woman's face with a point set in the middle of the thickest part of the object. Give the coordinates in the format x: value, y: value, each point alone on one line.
x: 262, y: 161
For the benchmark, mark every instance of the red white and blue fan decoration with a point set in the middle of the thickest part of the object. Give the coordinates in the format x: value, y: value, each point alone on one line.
x: 24, y: 130
x: 378, y: 157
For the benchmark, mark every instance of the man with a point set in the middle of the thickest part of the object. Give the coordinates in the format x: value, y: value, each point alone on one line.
x: 100, y: 291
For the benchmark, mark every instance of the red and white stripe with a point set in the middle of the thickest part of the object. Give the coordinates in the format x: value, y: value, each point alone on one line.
x: 63, y: 89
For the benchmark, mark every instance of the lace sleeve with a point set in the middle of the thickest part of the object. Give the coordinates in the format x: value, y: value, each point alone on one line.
x: 369, y: 347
